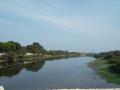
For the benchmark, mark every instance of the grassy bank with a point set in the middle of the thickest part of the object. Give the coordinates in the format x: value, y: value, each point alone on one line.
x: 102, y: 67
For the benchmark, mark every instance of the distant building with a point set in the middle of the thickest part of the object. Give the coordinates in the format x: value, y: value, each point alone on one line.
x: 1, y: 88
x: 29, y: 54
x: 1, y: 54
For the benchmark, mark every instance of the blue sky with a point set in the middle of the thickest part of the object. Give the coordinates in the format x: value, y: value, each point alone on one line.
x: 77, y: 25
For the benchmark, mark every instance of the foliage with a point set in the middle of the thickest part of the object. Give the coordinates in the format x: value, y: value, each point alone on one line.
x: 35, y: 48
x: 9, y: 58
x: 110, y: 77
x: 15, y: 52
x: 9, y: 46
x: 113, y: 60
x: 57, y: 52
x: 103, y: 68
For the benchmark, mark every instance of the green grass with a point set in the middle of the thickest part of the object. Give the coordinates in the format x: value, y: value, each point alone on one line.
x: 103, y: 69
x: 110, y: 77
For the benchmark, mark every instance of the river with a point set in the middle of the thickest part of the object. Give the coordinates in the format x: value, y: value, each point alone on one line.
x: 63, y: 73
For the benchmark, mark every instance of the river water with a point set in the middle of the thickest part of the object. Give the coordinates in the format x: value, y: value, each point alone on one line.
x: 62, y: 73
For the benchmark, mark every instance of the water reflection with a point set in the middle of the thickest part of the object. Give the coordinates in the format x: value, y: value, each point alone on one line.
x: 34, y: 67
x: 12, y: 69
x: 60, y: 73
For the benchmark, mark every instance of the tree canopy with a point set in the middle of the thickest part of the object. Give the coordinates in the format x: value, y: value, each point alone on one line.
x: 35, y: 48
x: 9, y: 46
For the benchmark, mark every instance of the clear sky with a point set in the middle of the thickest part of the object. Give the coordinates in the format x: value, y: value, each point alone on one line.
x: 79, y: 25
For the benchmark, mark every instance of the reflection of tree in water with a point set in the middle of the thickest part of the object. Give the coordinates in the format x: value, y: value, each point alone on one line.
x: 9, y: 70
x: 34, y: 66
x: 12, y: 69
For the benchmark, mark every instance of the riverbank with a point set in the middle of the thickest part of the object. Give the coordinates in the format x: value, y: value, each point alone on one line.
x: 102, y: 67
x: 12, y: 52
x: 33, y: 58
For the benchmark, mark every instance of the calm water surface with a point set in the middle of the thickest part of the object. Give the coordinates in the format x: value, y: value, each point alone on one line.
x: 64, y: 73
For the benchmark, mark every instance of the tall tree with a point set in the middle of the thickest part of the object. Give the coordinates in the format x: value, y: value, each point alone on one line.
x: 35, y: 48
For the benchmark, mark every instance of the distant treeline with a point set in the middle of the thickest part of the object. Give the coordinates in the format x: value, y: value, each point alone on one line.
x: 35, y: 48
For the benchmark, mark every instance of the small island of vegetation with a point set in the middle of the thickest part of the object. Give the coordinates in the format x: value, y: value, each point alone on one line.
x: 14, y: 52
x: 108, y: 65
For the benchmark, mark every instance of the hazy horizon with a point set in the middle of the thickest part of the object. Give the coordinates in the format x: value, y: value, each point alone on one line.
x: 76, y: 25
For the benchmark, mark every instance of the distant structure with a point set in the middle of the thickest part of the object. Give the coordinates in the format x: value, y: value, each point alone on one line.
x: 1, y: 88
x: 29, y: 54
x: 1, y: 54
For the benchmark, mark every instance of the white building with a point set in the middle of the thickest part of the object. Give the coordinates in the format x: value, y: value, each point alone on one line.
x: 29, y: 54
x: 1, y: 54
x: 1, y: 88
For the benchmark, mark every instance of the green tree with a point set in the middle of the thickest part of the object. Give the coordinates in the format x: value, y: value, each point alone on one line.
x: 9, y: 46
x: 35, y: 48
